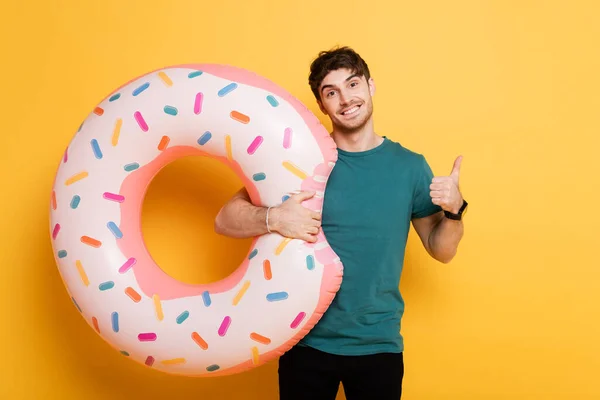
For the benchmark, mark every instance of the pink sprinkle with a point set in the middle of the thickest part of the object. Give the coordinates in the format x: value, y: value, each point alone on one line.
x: 297, y: 320
x: 255, y: 144
x: 224, y: 326
x: 140, y: 120
x: 55, y: 231
x: 287, y: 138
x: 147, y: 337
x: 128, y: 264
x: 149, y: 361
x: 114, y: 197
x: 66, y: 156
x: 198, y: 103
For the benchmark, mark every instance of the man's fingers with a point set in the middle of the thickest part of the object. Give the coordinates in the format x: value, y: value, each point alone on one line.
x: 304, y: 195
x: 316, y: 215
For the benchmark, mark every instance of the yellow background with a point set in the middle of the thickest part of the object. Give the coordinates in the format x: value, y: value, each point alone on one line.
x: 511, y: 85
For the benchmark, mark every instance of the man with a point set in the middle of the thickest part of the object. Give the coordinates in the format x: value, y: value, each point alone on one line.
x: 376, y: 189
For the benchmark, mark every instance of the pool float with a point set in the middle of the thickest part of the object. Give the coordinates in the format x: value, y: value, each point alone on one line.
x: 271, y: 141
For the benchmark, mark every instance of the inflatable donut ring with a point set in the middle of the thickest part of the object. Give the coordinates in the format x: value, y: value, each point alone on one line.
x: 271, y: 141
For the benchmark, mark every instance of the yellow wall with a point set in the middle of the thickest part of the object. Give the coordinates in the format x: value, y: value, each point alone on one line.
x: 511, y: 85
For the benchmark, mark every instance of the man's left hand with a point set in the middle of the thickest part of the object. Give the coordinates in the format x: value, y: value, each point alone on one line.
x: 445, y: 191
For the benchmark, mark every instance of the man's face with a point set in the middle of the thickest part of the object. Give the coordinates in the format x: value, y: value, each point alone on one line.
x: 346, y: 99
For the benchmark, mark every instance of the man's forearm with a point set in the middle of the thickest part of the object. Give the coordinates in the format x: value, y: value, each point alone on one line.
x: 241, y: 219
x: 444, y: 239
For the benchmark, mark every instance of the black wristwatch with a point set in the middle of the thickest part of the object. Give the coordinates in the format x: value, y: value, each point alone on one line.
x: 457, y: 217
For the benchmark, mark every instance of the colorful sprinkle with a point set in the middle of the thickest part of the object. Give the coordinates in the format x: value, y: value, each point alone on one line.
x: 55, y: 231
x: 114, y: 229
x: 96, y: 149
x: 164, y: 142
x: 296, y: 322
x: 253, y: 254
x: 294, y: 170
x: 127, y: 265
x: 126, y: 354
x: 75, y: 201
x: 255, y: 145
x: 91, y: 241
x: 174, y: 361
x: 227, y: 89
x: 149, y: 361
x: 165, y: 78
x: 212, y: 368
x: 199, y: 341
x: 96, y: 326
x: 113, y: 197
x: 62, y: 253
x: 135, y: 296
x: 255, y: 355
x: 194, y: 74
x: 261, y: 176
x: 224, y: 326
x: 147, y: 337
x: 277, y: 296
x: 228, y: 147
x: 170, y: 110
x: 106, y: 285
x: 98, y: 111
x: 241, y: 293
x: 238, y: 116
x: 282, y: 245
x: 141, y: 88
x: 82, y: 274
x: 76, y: 305
x: 182, y: 317
x: 77, y: 177
x: 116, y: 132
x: 114, y: 97
x: 204, y: 138
x: 287, y: 138
x: 272, y: 100
x: 198, y: 103
x: 310, y: 262
x: 260, y: 338
x: 158, y: 308
x: 284, y: 198
x: 206, y: 298
x: 115, y: 322
x: 141, y: 121
x: 131, y: 167
x: 267, y: 270
x: 53, y: 200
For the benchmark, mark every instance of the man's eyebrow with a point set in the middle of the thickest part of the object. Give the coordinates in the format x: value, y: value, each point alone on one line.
x: 347, y: 79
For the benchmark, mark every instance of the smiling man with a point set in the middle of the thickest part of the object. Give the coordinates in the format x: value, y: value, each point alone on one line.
x: 376, y: 189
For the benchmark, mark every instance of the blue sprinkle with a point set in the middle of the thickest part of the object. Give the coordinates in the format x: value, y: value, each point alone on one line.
x: 141, y: 89
x: 213, y: 367
x: 115, y: 97
x: 115, y: 321
x: 126, y: 354
x: 194, y: 74
x: 62, y: 254
x: 96, y: 149
x: 115, y: 230
x: 75, y: 201
x: 284, y: 198
x: 182, y: 317
x: 131, y: 167
x: 227, y: 89
x: 277, y: 296
x: 310, y: 262
x: 106, y: 285
x: 76, y: 305
x: 206, y: 298
x: 253, y: 254
x: 272, y: 100
x: 204, y: 138
x: 170, y: 110
x: 259, y: 177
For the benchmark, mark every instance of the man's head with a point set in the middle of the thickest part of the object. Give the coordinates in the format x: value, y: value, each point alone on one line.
x: 342, y: 84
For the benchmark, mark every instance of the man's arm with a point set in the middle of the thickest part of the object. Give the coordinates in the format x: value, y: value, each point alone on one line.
x: 440, y: 235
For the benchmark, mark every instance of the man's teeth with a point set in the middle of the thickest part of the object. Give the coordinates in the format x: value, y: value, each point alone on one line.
x: 350, y: 111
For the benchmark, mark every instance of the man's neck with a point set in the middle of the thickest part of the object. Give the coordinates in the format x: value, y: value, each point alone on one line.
x: 360, y: 140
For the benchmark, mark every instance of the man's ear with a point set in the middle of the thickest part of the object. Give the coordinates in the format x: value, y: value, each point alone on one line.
x: 372, y: 86
x: 321, y: 107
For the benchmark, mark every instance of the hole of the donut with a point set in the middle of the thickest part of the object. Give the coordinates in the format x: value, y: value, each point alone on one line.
x: 178, y: 220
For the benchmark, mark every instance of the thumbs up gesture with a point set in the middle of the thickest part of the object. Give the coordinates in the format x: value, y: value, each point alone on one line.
x: 445, y: 191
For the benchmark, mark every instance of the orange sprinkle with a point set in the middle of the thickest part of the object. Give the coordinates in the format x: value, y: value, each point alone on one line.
x: 95, y: 322
x: 199, y: 341
x: 255, y: 355
x: 164, y: 142
x: 82, y: 274
x: 77, y: 177
x: 241, y: 293
x: 281, y: 246
x: 91, y: 241
x: 259, y: 338
x: 116, y: 132
x: 228, y: 147
x: 267, y: 269
x: 165, y: 78
x: 53, y: 200
x: 173, y: 361
x: 98, y: 111
x: 135, y: 296
x: 158, y: 308
x: 238, y: 116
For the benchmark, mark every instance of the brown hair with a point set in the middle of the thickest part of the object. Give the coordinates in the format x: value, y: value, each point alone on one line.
x: 330, y: 60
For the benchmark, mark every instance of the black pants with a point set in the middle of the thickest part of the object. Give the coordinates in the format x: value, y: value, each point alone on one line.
x: 308, y: 374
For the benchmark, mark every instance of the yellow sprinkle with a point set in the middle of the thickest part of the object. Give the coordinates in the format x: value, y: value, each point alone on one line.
x: 228, y: 147
x: 255, y: 355
x: 117, y: 132
x: 281, y: 246
x: 77, y: 177
x: 158, y: 308
x: 294, y: 170
x: 240, y: 294
x: 173, y: 361
x: 165, y: 79
x: 84, y: 277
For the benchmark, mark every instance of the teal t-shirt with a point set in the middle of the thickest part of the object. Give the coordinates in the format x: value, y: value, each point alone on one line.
x: 370, y: 199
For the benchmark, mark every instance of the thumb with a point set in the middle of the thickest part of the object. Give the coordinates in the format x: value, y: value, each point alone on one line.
x: 305, y: 195
x: 456, y: 168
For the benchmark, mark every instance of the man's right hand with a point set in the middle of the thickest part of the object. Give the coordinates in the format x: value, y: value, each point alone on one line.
x: 292, y: 220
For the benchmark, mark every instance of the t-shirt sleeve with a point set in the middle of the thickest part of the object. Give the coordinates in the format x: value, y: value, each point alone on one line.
x: 422, y: 204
